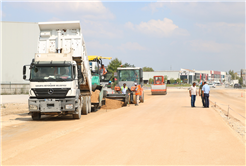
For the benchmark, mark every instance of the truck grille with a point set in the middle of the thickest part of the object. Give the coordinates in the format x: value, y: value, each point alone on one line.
x: 50, y: 92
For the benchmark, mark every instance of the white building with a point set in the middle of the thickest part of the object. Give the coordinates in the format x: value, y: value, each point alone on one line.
x: 19, y: 43
x: 187, y: 76
x: 170, y: 75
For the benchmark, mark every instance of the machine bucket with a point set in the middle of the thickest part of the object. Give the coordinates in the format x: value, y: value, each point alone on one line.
x: 121, y: 97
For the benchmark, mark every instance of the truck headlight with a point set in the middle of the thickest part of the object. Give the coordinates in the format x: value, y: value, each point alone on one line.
x: 33, y: 107
x: 69, y: 106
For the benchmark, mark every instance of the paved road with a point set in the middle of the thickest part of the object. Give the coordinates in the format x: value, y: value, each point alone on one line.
x: 163, y: 130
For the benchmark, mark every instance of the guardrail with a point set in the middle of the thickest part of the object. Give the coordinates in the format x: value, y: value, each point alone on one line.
x: 228, y: 110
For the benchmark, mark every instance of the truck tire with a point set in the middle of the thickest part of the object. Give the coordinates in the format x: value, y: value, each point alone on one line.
x: 85, y: 106
x: 78, y: 116
x: 89, y: 103
x: 142, y: 98
x: 36, y: 116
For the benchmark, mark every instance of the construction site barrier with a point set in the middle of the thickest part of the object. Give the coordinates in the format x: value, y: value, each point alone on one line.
x: 229, y: 108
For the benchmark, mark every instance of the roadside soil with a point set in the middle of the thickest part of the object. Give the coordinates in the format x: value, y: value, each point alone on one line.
x: 13, y: 108
x: 164, y: 130
x: 234, y: 98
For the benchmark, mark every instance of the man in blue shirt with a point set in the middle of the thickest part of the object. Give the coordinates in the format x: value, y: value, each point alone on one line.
x: 205, y: 94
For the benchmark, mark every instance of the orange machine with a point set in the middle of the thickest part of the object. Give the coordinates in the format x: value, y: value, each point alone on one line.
x: 159, y: 87
x: 129, y: 76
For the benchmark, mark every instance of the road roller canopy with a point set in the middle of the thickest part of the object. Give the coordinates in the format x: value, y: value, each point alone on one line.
x: 158, y: 80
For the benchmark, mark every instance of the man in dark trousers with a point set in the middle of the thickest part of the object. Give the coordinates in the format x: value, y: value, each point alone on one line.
x: 200, y: 94
x: 205, y: 94
x: 193, y: 94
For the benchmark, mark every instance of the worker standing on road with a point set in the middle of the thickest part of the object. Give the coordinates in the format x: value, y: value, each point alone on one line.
x: 200, y: 94
x: 102, y: 70
x: 124, y: 88
x: 136, y: 94
x: 193, y: 94
x: 205, y: 94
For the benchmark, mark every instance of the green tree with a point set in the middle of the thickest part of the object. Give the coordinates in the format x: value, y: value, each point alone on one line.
x: 178, y: 80
x: 147, y: 69
x: 127, y: 65
x: 165, y: 78
x: 151, y: 81
x: 113, y: 65
x: 240, y: 80
x: 172, y: 81
x: 233, y: 74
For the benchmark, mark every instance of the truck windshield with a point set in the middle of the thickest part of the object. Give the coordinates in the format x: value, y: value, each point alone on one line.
x: 129, y: 75
x: 51, y: 73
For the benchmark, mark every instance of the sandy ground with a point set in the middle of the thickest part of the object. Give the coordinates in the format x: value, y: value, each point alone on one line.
x: 235, y: 98
x: 163, y: 130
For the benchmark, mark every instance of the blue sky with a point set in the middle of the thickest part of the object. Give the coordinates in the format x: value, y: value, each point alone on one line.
x: 193, y: 35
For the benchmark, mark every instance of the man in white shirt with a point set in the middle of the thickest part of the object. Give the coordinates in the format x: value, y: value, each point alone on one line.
x: 193, y: 94
x: 124, y: 88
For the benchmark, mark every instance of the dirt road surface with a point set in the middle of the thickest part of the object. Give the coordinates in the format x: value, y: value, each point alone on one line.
x: 234, y: 98
x: 163, y: 130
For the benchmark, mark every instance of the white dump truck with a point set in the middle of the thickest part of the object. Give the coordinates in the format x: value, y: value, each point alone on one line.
x: 60, y: 77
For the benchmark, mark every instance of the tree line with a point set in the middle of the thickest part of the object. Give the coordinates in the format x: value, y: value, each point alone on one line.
x: 234, y: 76
x: 115, y: 63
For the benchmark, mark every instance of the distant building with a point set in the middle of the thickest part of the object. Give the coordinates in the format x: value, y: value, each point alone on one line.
x: 203, y: 75
x: 19, y: 44
x: 228, y: 79
x: 170, y: 75
x: 187, y: 76
x: 211, y: 75
x: 223, y: 76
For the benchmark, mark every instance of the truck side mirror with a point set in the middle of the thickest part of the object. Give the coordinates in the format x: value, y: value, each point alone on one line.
x: 24, y: 73
x: 24, y: 70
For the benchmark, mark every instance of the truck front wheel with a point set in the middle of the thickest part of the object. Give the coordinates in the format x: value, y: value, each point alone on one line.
x: 85, y: 107
x: 78, y: 116
x: 36, y: 115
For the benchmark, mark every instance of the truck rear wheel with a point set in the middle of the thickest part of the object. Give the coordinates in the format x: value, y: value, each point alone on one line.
x: 85, y: 106
x: 78, y: 116
x: 36, y: 116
